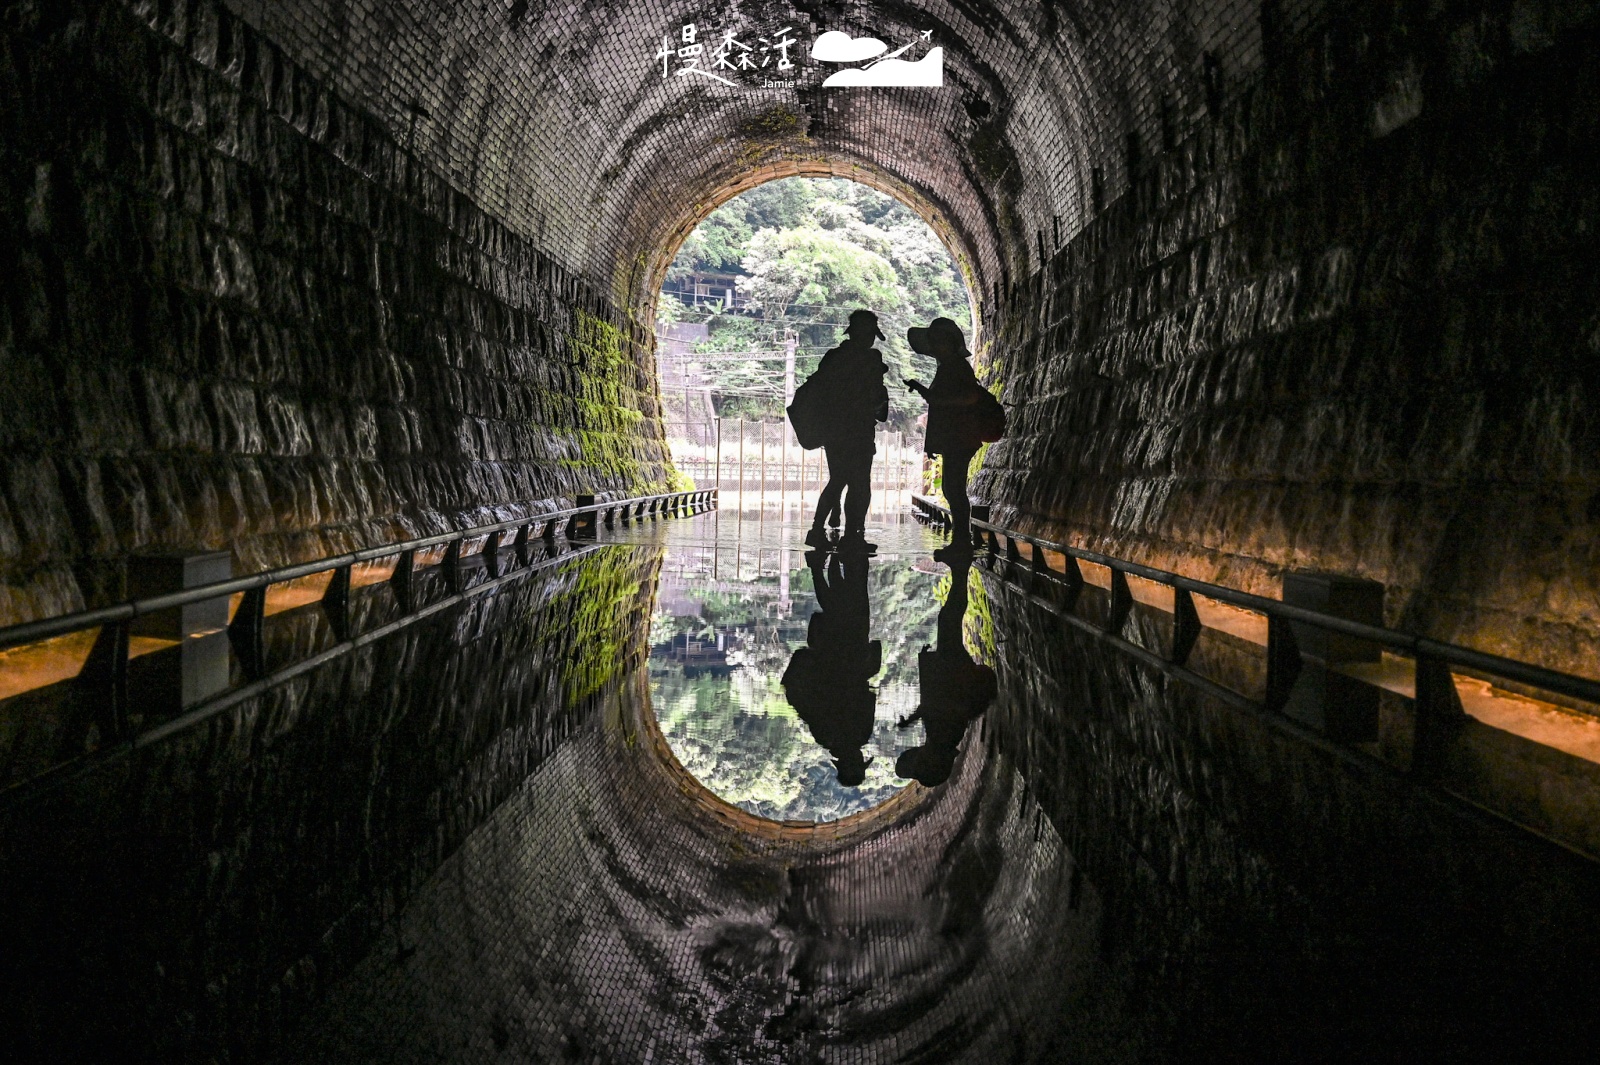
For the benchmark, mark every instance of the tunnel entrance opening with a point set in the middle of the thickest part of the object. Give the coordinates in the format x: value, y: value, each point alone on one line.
x: 752, y: 297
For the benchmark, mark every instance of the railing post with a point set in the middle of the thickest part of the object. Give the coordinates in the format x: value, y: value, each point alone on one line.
x: 491, y: 554
x: 1072, y: 579
x: 520, y: 545
x: 1283, y: 662
x: 104, y: 681
x: 1121, y: 601
x: 336, y: 602
x: 1438, y: 716
x: 403, y: 580
x: 582, y: 522
x: 741, y: 463
x: 452, y: 565
x: 1339, y: 706
x: 246, y: 633
x: 1185, y: 625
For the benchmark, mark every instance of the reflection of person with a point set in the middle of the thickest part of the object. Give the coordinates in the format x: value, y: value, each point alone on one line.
x: 829, y: 681
x: 955, y: 690
x: 853, y: 375
x: 954, y: 400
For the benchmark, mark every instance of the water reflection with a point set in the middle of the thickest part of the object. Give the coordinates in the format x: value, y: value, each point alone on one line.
x: 829, y: 681
x: 779, y: 676
x: 955, y: 689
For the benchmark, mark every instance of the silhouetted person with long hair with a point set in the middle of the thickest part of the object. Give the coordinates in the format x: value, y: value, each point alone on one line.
x: 852, y: 374
x: 955, y: 690
x: 829, y: 681
x: 961, y: 416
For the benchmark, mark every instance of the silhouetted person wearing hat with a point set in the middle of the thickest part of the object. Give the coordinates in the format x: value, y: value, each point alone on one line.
x: 962, y: 415
x: 829, y: 681
x: 853, y: 376
x: 955, y: 690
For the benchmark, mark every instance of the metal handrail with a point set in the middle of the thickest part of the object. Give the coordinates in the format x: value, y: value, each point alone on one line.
x: 46, y: 628
x: 1421, y: 648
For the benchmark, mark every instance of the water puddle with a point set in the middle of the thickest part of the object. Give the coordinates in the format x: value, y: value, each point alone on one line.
x: 781, y: 675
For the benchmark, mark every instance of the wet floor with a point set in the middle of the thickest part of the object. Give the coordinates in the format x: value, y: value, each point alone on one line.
x: 731, y: 667
x: 697, y: 792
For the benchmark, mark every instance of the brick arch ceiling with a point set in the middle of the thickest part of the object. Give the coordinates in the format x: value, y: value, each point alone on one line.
x: 556, y: 117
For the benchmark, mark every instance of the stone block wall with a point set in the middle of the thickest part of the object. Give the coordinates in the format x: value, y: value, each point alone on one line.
x: 237, y: 312
x: 1349, y: 324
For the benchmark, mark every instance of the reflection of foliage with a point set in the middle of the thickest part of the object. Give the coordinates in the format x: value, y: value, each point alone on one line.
x: 977, y: 627
x: 606, y: 591
x: 738, y: 734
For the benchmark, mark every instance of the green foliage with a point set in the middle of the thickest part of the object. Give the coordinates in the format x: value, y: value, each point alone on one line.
x: 717, y: 244
x: 608, y: 415
x: 670, y: 308
x: 809, y: 251
x: 815, y: 266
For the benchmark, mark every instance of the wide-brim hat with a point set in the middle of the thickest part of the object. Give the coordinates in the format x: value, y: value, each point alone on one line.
x: 866, y: 317
x: 917, y: 336
x: 854, y: 769
x: 946, y: 329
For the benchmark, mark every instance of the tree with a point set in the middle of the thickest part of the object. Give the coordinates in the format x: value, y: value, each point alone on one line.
x: 808, y: 253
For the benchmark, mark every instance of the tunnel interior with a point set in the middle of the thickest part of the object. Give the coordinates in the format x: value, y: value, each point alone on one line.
x: 288, y: 277
x: 1267, y: 286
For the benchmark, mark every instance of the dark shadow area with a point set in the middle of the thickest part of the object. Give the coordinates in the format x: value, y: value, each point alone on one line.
x: 955, y: 689
x: 188, y: 900
x: 1268, y: 898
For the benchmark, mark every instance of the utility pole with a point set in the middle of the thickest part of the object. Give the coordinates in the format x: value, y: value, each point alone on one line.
x: 688, y: 438
x: 790, y: 341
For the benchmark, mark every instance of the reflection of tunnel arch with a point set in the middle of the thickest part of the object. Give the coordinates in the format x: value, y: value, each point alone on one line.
x: 846, y: 829
x: 611, y: 903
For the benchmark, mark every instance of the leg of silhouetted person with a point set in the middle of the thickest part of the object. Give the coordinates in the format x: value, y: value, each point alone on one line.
x: 956, y: 468
x: 828, y: 498
x: 858, y: 497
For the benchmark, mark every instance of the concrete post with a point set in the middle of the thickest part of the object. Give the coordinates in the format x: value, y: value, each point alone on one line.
x: 197, y: 667
x: 1319, y: 694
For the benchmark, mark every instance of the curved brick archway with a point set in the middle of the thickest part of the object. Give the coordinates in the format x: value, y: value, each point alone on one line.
x: 1270, y: 285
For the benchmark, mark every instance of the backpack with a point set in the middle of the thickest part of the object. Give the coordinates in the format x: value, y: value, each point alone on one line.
x: 811, y: 414
x: 988, y: 418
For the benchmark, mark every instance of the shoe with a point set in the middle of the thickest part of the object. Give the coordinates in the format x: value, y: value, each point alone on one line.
x: 855, y: 543
x: 954, y: 550
x: 817, y: 537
